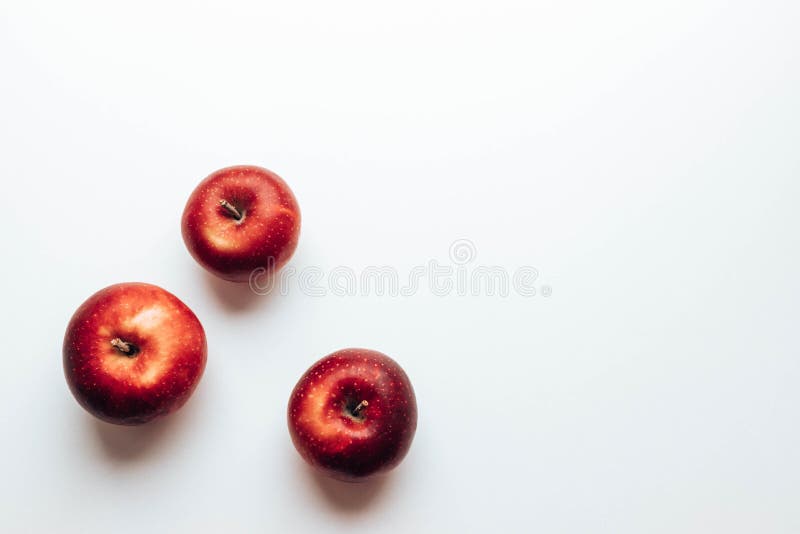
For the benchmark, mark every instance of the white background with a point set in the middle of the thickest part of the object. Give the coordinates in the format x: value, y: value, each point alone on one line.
x: 643, y: 156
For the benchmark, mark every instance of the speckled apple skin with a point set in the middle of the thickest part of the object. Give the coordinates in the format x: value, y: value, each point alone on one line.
x: 338, y: 444
x: 266, y: 237
x: 159, y: 379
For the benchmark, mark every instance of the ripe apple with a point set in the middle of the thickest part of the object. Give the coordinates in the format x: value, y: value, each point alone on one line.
x: 133, y: 352
x: 353, y: 414
x: 240, y: 219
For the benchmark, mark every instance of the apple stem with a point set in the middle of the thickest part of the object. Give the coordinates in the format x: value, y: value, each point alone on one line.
x: 231, y: 209
x: 363, y: 404
x: 122, y: 346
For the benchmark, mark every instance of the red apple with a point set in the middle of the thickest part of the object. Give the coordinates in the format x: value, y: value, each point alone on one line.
x: 353, y: 414
x: 133, y: 352
x: 239, y: 220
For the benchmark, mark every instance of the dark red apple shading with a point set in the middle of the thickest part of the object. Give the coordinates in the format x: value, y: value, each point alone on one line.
x: 353, y: 414
x: 133, y: 352
x: 240, y: 220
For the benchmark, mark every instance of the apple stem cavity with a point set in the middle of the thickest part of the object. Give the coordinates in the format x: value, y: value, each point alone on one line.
x: 231, y: 209
x: 128, y: 349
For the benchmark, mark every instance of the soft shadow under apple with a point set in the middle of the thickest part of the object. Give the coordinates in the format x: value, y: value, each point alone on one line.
x: 232, y: 296
x: 130, y: 444
x: 349, y: 497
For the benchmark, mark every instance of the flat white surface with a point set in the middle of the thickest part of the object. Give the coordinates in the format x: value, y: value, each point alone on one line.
x: 643, y: 156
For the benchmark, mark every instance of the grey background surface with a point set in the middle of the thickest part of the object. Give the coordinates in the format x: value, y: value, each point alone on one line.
x: 642, y: 156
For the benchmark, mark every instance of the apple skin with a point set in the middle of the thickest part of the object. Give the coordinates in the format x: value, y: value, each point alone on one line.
x: 264, y: 237
x: 166, y: 343
x: 338, y: 442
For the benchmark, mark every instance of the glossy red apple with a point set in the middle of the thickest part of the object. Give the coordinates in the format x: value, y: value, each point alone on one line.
x: 133, y: 352
x: 353, y: 414
x: 240, y: 220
